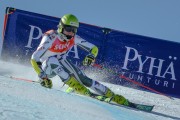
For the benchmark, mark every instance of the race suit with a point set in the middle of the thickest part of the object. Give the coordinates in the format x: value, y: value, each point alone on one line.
x: 50, y: 57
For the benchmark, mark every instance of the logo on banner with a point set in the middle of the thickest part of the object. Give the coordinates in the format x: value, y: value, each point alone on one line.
x: 159, y: 69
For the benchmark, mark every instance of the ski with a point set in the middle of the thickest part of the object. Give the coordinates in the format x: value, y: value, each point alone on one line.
x: 142, y: 107
x: 101, y: 97
x: 147, y: 108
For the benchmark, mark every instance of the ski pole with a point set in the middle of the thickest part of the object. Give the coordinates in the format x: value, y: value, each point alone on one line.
x: 130, y: 80
x: 22, y: 79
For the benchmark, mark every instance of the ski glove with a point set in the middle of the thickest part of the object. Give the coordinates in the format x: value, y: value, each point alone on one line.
x: 89, y: 60
x: 44, y: 81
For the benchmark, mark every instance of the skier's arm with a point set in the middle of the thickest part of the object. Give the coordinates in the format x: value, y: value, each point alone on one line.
x: 89, y: 47
x: 36, y: 66
x: 36, y: 56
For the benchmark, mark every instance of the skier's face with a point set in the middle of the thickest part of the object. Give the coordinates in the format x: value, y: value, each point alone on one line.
x: 70, y: 30
x: 68, y: 33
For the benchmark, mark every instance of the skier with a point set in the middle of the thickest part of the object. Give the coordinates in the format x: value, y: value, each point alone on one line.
x: 50, y: 59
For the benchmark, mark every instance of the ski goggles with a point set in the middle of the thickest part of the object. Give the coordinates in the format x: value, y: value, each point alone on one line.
x: 70, y: 29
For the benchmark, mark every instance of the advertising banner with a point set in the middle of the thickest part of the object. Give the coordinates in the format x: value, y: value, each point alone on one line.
x: 123, y: 57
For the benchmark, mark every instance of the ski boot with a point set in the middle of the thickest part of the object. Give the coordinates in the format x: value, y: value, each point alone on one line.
x: 119, y: 99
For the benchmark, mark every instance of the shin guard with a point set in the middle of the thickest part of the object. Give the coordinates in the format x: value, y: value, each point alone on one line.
x: 77, y: 86
x: 119, y: 99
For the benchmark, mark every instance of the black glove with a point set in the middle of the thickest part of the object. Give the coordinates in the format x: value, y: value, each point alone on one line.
x: 44, y: 81
x: 89, y: 60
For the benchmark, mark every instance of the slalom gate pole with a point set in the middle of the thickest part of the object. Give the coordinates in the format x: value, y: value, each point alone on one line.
x: 130, y: 80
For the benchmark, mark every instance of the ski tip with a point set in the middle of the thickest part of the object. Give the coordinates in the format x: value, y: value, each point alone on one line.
x: 146, y: 108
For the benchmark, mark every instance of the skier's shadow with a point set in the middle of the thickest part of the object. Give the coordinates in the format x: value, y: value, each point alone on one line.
x: 152, y: 112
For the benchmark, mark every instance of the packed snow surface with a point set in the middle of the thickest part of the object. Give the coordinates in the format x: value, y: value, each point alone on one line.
x: 22, y: 100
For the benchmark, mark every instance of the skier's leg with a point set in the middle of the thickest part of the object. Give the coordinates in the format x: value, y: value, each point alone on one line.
x: 78, y: 74
x: 77, y: 86
x: 82, y: 78
x: 46, y: 67
x: 109, y: 93
x: 95, y: 85
x: 53, y: 67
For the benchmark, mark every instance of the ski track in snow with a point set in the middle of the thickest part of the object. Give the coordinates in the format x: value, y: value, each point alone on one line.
x: 20, y: 100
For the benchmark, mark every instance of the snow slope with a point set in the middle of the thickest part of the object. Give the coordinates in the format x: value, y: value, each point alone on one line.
x: 20, y: 100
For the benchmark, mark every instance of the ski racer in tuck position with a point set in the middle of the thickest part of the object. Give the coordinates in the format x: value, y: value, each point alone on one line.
x: 50, y: 59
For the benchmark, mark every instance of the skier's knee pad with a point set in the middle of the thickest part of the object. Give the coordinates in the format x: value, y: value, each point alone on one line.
x: 50, y: 65
x: 77, y: 86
